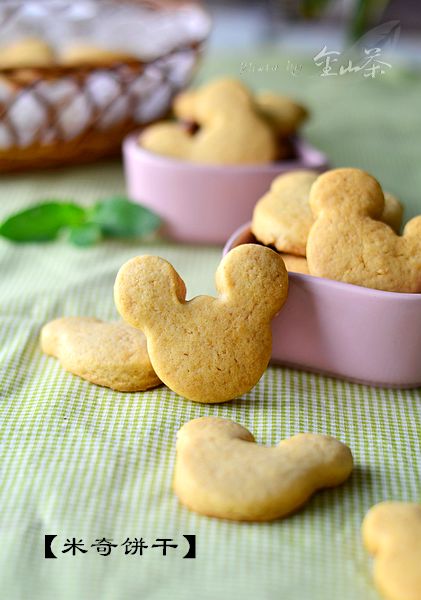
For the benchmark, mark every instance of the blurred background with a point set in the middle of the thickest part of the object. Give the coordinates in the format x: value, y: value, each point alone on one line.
x: 308, y: 25
x: 354, y: 63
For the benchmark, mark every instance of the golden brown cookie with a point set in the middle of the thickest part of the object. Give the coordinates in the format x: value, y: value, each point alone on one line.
x: 392, y: 534
x: 221, y: 472
x: 168, y: 139
x: 184, y: 105
x: 27, y: 52
x: 295, y: 264
x: 283, y: 217
x: 347, y: 241
x: 113, y: 355
x: 207, y: 349
x: 393, y: 212
x: 231, y: 130
x: 284, y: 115
x: 88, y: 54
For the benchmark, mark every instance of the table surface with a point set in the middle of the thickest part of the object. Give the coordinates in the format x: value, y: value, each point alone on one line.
x: 84, y: 462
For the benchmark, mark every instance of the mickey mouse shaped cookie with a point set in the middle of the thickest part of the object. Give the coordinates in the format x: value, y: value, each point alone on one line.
x: 232, y: 128
x: 207, y: 349
x: 392, y: 533
x: 283, y: 217
x: 221, y: 472
x: 349, y: 243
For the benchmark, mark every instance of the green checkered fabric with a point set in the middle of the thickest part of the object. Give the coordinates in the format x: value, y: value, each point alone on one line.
x: 84, y: 462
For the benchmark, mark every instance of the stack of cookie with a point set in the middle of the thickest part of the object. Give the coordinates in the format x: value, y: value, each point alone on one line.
x: 224, y: 123
x: 215, y: 349
x: 220, y: 471
x: 33, y: 52
x: 207, y: 350
x: 340, y: 225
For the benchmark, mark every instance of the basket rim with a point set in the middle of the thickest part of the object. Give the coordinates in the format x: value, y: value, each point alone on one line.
x: 57, y: 70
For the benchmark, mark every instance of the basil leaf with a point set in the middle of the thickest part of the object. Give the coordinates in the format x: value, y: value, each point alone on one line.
x: 42, y: 222
x: 87, y: 234
x: 118, y: 217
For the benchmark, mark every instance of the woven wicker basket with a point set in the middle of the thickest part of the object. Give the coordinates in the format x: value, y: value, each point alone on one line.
x: 62, y: 114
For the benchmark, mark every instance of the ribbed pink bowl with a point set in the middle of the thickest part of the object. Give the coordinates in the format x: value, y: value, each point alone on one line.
x: 203, y: 204
x: 347, y: 331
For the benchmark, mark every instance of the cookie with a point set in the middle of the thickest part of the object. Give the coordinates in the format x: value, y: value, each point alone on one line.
x: 392, y: 534
x: 168, y: 139
x: 87, y: 54
x: 231, y: 131
x: 348, y: 243
x: 295, y: 264
x: 207, y: 349
x: 221, y: 472
x: 283, y: 114
x: 27, y: 52
x: 184, y: 105
x: 393, y: 212
x: 283, y: 217
x: 231, y: 126
x: 113, y: 355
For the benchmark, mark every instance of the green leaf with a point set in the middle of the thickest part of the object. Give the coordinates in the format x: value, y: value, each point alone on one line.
x: 311, y: 9
x: 87, y: 234
x: 42, y: 222
x: 118, y: 217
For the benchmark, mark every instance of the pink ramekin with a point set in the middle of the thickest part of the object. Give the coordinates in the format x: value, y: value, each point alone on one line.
x: 203, y: 204
x: 360, y: 334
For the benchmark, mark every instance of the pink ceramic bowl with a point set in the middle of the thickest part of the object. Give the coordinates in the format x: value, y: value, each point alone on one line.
x: 345, y: 330
x: 204, y: 203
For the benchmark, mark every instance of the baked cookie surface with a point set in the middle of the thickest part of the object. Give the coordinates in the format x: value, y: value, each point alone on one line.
x: 283, y: 218
x: 392, y: 534
x: 220, y: 471
x: 349, y: 243
x: 232, y: 126
x: 207, y: 349
x: 112, y: 355
x: 26, y: 52
x: 295, y: 264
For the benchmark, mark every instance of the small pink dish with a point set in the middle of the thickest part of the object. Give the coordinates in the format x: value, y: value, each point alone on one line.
x: 204, y: 203
x: 356, y: 333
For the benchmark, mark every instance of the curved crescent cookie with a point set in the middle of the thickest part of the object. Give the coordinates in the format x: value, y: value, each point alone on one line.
x: 221, y: 472
x: 392, y: 533
x: 113, y: 355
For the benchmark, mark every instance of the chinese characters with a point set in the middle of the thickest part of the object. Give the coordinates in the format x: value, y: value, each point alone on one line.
x: 369, y: 64
x: 132, y: 546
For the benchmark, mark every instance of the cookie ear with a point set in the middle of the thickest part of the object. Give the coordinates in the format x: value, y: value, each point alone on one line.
x: 349, y: 191
x: 146, y: 285
x: 413, y: 228
x: 254, y: 278
x: 184, y: 105
x: 284, y: 115
x: 224, y: 96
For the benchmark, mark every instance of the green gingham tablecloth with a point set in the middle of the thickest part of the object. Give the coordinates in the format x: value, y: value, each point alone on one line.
x: 84, y: 462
